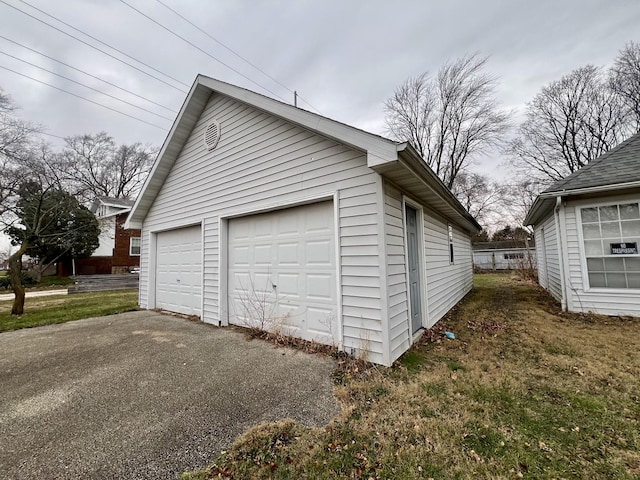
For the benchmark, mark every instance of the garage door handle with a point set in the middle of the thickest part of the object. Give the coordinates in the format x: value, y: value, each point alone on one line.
x: 178, y: 280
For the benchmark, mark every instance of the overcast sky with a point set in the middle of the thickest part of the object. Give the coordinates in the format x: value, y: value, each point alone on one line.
x: 343, y: 57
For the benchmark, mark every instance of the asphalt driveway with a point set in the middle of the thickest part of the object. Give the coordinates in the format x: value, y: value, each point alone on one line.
x: 144, y: 395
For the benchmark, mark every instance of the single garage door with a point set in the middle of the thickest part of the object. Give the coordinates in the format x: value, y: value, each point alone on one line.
x: 282, y: 273
x: 179, y: 270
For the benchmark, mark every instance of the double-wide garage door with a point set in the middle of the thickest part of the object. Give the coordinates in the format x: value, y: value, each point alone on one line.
x: 282, y: 272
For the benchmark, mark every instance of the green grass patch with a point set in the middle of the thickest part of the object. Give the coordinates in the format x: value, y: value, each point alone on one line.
x: 434, y: 389
x: 455, y: 366
x: 413, y: 360
x: 64, y: 308
x: 529, y: 392
x: 53, y: 281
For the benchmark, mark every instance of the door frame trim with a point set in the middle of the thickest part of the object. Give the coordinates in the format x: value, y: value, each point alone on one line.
x: 406, y: 201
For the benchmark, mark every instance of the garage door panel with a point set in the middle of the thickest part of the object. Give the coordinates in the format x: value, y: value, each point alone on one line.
x: 288, y: 254
x: 320, y: 252
x: 298, y: 258
x: 288, y: 285
x: 239, y: 255
x: 288, y: 224
x: 262, y: 255
x: 320, y: 286
x: 320, y: 322
x: 179, y: 270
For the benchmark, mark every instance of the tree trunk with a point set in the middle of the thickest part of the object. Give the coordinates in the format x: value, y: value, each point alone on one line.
x: 15, y: 276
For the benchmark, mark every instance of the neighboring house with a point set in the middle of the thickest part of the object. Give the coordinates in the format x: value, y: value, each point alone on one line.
x: 587, y: 229
x: 504, y: 255
x: 259, y: 213
x: 119, y: 249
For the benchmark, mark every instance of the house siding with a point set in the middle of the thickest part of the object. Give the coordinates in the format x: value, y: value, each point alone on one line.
x: 262, y: 163
x: 446, y: 284
x: 122, y: 260
x: 540, y: 234
x: 551, y: 248
x: 581, y: 298
x: 399, y: 335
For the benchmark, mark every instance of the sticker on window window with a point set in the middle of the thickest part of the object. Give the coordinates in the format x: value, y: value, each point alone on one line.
x: 629, y: 248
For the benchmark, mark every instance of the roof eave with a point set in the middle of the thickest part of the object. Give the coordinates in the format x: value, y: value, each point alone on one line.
x: 543, y: 204
x: 167, y: 155
x: 409, y: 161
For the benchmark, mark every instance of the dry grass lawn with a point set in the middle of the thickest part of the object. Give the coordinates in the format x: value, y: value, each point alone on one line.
x: 64, y: 308
x: 525, y: 391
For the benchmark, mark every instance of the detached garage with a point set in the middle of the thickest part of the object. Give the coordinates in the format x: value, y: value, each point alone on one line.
x: 260, y: 214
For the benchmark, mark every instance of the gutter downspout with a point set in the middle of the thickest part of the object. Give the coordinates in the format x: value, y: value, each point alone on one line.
x: 556, y: 212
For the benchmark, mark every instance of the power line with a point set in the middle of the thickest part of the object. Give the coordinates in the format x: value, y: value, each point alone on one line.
x: 234, y: 52
x: 107, y: 45
x: 199, y: 49
x: 94, y: 47
x: 86, y: 86
x: 83, y: 98
x: 51, y: 135
x: 88, y: 74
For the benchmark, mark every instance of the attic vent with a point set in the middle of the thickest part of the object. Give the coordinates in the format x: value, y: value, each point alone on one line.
x: 212, y: 135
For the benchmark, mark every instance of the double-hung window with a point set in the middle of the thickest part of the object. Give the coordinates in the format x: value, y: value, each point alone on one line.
x: 134, y: 246
x: 611, y: 235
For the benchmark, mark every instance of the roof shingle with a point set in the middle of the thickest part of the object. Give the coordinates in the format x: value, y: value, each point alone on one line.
x: 621, y: 164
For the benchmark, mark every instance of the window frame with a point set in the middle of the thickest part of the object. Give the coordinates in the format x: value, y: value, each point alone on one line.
x: 452, y: 257
x: 131, y: 239
x: 586, y: 285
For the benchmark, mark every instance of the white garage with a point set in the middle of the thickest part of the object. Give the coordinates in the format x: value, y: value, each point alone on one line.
x: 304, y: 225
x: 282, y: 272
x: 179, y: 270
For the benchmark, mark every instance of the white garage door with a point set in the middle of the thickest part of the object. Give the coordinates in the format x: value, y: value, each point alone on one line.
x: 179, y: 270
x: 282, y: 274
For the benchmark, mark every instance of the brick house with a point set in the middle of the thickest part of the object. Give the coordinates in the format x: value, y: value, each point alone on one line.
x: 119, y: 249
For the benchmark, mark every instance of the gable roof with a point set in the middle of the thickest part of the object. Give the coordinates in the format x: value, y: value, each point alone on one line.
x: 115, y: 202
x: 615, y: 170
x: 389, y: 158
x: 123, y: 205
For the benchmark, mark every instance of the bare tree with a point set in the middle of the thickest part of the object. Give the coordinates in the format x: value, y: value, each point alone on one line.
x: 569, y: 123
x: 519, y: 196
x: 95, y: 166
x: 450, y: 118
x: 17, y: 142
x: 625, y: 81
x: 478, y: 195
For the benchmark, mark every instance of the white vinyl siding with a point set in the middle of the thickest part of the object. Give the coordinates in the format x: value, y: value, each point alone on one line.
x: 261, y: 163
x: 540, y: 235
x: 446, y: 283
x: 581, y: 297
x: 396, y: 272
x: 554, y: 284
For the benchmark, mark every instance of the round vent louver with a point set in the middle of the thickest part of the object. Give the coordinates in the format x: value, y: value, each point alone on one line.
x: 212, y: 135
